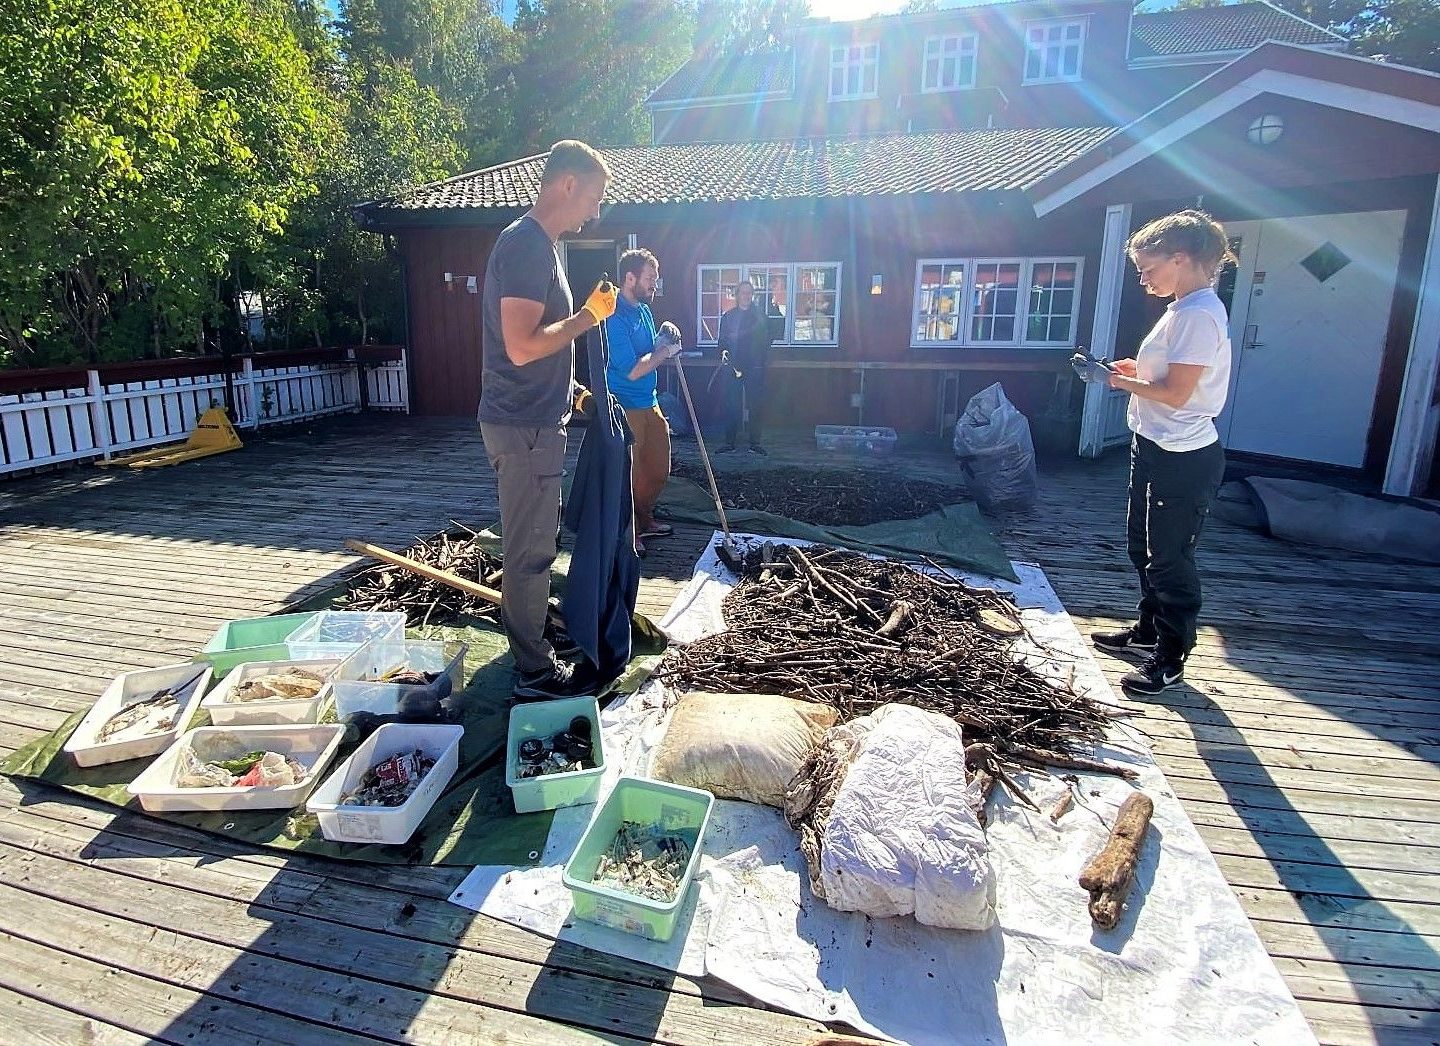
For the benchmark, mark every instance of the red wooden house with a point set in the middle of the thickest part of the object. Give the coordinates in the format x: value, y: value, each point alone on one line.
x: 936, y: 201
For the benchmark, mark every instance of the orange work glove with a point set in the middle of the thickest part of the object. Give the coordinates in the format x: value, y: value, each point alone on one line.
x: 601, y: 303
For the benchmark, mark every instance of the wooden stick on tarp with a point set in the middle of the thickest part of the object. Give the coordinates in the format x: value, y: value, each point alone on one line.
x: 444, y: 577
x: 1110, y: 872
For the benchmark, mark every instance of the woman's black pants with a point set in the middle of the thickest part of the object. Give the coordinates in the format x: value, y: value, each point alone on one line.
x: 1170, y: 496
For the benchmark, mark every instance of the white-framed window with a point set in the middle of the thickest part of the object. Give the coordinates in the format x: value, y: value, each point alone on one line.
x: 801, y: 299
x: 949, y: 63
x: 995, y: 302
x: 853, y: 71
x: 1053, y: 50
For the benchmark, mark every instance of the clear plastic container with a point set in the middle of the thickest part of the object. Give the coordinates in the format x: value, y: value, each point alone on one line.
x: 311, y: 746
x: 339, y: 633
x: 856, y: 439
x: 127, y: 689
x: 358, y: 688
x: 250, y: 639
x: 678, y: 809
x: 225, y: 711
x: 552, y: 791
x: 390, y: 825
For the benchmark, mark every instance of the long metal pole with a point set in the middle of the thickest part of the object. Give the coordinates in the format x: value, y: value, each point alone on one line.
x: 704, y: 455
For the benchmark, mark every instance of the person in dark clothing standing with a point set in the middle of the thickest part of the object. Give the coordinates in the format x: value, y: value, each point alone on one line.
x: 744, y: 340
x: 1177, y: 384
x: 527, y: 394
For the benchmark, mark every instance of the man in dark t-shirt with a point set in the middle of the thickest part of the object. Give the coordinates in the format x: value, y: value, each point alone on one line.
x: 527, y: 394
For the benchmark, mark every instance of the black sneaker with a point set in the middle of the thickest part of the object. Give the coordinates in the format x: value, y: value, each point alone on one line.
x: 563, y: 680
x: 1126, y: 641
x: 757, y: 449
x: 1158, y: 672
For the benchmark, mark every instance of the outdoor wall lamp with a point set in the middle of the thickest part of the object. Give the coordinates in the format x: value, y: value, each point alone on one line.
x: 1265, y: 130
x: 877, y: 284
x: 472, y: 283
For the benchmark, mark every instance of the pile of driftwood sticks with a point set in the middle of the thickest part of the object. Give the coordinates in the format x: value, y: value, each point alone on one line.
x: 836, y: 627
x: 391, y: 588
x: 828, y: 497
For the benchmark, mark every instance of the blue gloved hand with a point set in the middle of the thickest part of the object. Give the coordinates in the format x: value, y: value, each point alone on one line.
x: 1090, y: 369
x: 667, y: 341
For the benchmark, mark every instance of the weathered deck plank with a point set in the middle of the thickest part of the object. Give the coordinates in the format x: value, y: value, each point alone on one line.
x: 1305, y: 747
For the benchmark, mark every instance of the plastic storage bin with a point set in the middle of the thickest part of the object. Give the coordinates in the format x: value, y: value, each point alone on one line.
x: 127, y: 689
x: 250, y: 639
x: 552, y: 791
x: 855, y: 439
x: 357, y: 689
x: 339, y: 633
x: 225, y: 712
x: 311, y: 746
x: 679, y: 809
x: 390, y: 825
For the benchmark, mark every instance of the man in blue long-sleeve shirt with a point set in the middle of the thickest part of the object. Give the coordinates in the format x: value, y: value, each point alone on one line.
x: 636, y: 351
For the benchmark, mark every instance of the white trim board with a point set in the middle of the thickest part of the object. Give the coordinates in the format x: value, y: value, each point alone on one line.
x: 1361, y: 100
x: 1406, y: 470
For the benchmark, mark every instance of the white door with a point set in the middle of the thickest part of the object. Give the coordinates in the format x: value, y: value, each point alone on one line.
x: 1307, y: 325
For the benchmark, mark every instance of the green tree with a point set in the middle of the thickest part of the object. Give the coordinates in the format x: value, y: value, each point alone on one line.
x: 586, y: 66
x: 141, y: 145
x: 748, y: 26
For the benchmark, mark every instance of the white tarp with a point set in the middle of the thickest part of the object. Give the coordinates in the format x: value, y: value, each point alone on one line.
x: 1183, y: 965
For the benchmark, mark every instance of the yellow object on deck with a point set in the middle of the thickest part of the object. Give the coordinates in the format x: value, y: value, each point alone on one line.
x: 213, y: 434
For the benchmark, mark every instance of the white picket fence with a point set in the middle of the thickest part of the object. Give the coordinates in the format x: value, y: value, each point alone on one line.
x: 75, y: 422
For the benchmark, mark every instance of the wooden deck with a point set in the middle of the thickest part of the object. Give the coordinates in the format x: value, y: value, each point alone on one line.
x: 1305, y: 748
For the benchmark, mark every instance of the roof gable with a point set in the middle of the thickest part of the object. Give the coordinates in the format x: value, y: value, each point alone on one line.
x: 1234, y: 27
x: 1001, y: 160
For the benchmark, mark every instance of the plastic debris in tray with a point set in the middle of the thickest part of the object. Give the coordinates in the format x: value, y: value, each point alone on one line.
x: 390, y: 782
x: 644, y: 860
x: 253, y: 769
x: 286, y: 684
x: 570, y: 750
x: 155, y: 714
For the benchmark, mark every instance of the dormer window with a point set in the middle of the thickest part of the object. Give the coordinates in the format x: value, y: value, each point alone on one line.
x: 853, y: 70
x: 949, y: 63
x: 1053, y: 51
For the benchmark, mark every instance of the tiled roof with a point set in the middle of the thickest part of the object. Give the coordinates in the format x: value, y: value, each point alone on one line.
x: 1237, y: 27
x: 1008, y: 159
x: 746, y: 74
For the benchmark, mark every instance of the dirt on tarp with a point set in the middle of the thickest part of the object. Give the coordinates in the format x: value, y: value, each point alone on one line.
x: 828, y: 497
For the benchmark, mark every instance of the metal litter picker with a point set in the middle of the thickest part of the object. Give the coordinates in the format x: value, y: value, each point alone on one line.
x: 728, y: 551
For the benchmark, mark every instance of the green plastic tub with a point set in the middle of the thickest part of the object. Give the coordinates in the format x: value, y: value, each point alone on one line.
x: 250, y: 639
x: 685, y: 811
x: 544, y: 719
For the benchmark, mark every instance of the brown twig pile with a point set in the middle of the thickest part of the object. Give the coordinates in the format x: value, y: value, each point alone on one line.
x: 827, y: 497
x: 390, y: 588
x: 835, y: 627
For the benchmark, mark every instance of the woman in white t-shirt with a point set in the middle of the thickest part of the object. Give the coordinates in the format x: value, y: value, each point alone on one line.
x: 1177, y: 384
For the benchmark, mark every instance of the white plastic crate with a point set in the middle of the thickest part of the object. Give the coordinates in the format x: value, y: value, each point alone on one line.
x: 127, y: 689
x: 390, y: 825
x: 339, y: 633
x: 856, y: 439
x: 311, y: 746
x: 226, y: 712
x: 357, y: 688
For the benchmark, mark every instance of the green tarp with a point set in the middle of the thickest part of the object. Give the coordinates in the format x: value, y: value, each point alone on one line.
x: 473, y: 822
x: 955, y: 535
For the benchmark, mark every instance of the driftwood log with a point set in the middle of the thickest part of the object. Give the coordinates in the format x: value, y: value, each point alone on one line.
x: 1110, y: 872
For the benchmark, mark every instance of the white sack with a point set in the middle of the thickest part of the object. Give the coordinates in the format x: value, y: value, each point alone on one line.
x: 903, y: 837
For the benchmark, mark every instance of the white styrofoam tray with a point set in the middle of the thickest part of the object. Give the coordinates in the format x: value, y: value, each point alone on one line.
x: 127, y: 689
x: 311, y: 746
x: 226, y: 712
x: 390, y: 825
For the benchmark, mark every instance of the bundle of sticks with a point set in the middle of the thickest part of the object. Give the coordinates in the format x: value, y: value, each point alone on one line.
x: 836, y: 627
x: 827, y: 496
x: 425, y: 601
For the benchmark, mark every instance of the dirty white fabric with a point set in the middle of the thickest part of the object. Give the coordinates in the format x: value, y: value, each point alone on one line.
x: 1184, y: 964
x: 903, y: 837
x: 740, y: 746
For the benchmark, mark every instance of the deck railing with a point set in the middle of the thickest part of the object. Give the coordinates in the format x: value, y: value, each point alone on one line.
x: 49, y: 417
